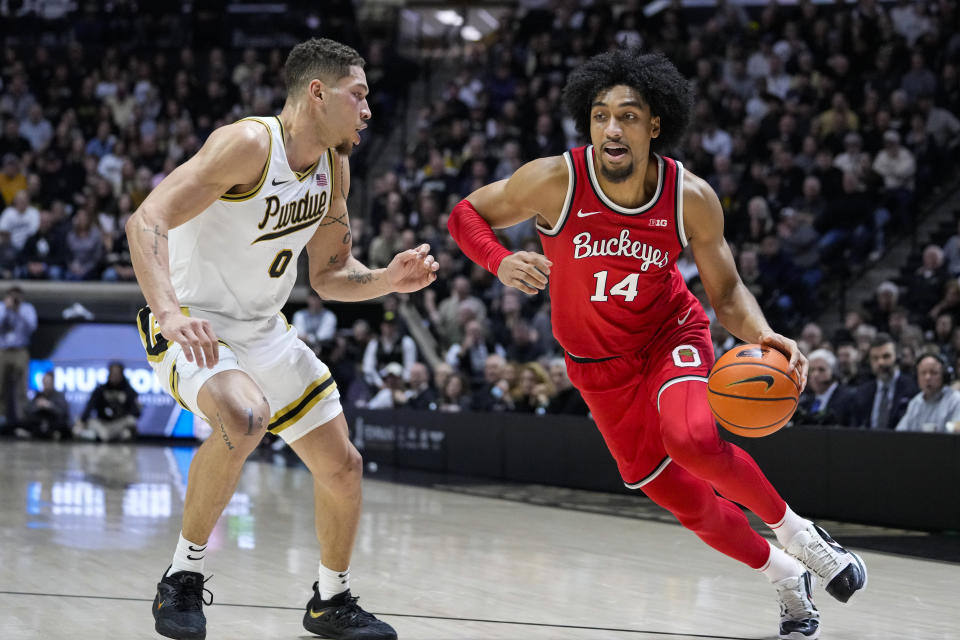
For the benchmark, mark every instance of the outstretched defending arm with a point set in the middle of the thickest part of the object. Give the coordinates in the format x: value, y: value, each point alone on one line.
x: 538, y: 188
x: 736, y: 308
x: 232, y: 155
x: 336, y: 275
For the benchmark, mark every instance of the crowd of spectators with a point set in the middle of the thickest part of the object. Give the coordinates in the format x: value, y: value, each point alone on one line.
x: 820, y: 127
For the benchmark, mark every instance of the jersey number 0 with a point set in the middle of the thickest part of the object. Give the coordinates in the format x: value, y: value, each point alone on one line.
x: 279, y: 264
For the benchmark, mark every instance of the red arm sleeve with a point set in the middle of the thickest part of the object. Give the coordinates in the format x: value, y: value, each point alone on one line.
x: 475, y: 237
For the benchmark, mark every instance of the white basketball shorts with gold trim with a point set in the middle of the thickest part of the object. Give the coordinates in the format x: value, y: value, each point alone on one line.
x: 297, y: 385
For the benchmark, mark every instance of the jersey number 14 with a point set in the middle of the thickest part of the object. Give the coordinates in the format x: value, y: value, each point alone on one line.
x: 626, y: 287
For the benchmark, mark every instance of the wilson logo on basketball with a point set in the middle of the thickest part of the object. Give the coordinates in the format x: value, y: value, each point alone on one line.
x: 767, y: 379
x: 752, y: 352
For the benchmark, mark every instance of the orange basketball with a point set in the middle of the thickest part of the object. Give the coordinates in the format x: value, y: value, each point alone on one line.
x: 750, y: 392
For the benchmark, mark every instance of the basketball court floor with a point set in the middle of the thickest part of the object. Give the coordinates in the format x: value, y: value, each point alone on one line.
x: 87, y: 529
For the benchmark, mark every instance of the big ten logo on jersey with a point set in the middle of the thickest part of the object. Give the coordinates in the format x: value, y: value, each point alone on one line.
x: 292, y: 216
x: 658, y: 222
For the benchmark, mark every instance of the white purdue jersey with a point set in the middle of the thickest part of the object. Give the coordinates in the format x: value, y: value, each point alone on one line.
x: 238, y: 258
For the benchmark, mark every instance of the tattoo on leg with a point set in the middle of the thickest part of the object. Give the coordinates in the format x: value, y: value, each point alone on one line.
x: 223, y: 433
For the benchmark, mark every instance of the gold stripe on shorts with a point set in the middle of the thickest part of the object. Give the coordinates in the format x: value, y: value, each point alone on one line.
x: 315, y: 392
x: 175, y: 386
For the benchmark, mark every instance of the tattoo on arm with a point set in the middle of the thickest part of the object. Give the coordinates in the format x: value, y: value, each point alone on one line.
x: 156, y: 237
x: 343, y: 191
x: 360, y: 277
x: 347, y: 237
x: 328, y: 220
x: 223, y: 433
x: 333, y: 260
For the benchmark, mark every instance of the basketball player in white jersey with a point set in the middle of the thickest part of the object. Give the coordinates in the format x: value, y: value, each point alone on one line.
x: 215, y: 250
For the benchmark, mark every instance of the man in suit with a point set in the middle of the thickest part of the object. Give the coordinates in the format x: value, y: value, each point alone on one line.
x: 881, y: 402
x: 825, y: 401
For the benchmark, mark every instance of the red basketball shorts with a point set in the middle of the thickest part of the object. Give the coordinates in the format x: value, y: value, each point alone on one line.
x: 623, y: 395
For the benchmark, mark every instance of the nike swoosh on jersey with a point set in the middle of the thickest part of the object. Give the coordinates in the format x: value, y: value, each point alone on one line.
x: 275, y: 183
x: 582, y: 214
x: 680, y: 321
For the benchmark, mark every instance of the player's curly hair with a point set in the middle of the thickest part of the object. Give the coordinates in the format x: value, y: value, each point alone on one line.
x: 668, y: 94
x: 318, y: 57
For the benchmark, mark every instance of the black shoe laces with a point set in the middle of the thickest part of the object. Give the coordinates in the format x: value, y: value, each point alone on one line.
x: 189, y: 595
x: 350, y: 614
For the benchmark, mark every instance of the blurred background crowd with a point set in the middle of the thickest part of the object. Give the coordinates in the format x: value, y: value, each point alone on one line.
x: 823, y: 128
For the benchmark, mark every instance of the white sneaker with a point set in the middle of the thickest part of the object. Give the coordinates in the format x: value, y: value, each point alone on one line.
x: 842, y: 571
x: 799, y: 618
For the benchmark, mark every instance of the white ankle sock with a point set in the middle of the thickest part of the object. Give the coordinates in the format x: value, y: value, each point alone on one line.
x: 790, y: 525
x: 779, y: 566
x: 188, y: 556
x: 332, y: 582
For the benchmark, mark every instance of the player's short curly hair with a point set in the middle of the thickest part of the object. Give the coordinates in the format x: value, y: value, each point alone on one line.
x: 318, y: 58
x: 668, y: 94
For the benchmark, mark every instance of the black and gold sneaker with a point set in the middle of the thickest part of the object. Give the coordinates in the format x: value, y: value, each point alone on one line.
x: 178, y: 606
x: 341, y: 618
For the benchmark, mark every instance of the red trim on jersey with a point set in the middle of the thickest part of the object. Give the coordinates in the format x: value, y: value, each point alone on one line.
x: 614, y: 285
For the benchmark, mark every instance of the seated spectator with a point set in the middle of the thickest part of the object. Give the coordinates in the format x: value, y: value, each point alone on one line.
x: 470, y: 355
x: 84, y: 247
x: 897, y: 167
x: 812, y: 336
x: 48, y: 415
x: 949, y: 303
x: 117, y: 264
x: 848, y: 365
x: 926, y: 286
x: 853, y: 160
x: 12, y: 178
x: 393, y: 392
x: 885, y: 299
x: 937, y: 403
x: 881, y: 402
x: 390, y: 346
x: 525, y: 345
x: 825, y: 401
x: 493, y: 395
x: 533, y: 391
x: 420, y: 393
x: 455, y: 396
x: 21, y: 219
x: 44, y: 255
x: 315, y: 325
x: 951, y: 253
x: 9, y: 256
x: 566, y: 398
x: 112, y: 411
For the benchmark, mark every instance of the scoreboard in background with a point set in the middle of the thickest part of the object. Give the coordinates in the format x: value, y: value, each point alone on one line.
x: 78, y: 355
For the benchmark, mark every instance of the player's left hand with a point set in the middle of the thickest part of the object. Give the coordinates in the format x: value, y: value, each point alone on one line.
x: 789, y: 348
x: 412, y: 270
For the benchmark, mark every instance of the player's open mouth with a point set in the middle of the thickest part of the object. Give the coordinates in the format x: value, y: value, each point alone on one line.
x: 614, y: 151
x: 359, y: 129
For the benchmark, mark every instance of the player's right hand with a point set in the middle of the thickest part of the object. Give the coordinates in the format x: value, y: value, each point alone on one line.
x: 526, y: 271
x: 194, y: 335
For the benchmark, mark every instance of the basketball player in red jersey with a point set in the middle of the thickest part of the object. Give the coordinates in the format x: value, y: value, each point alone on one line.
x: 613, y: 218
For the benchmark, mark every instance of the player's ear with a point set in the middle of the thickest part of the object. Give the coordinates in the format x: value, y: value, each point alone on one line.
x: 655, y: 126
x: 316, y: 89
